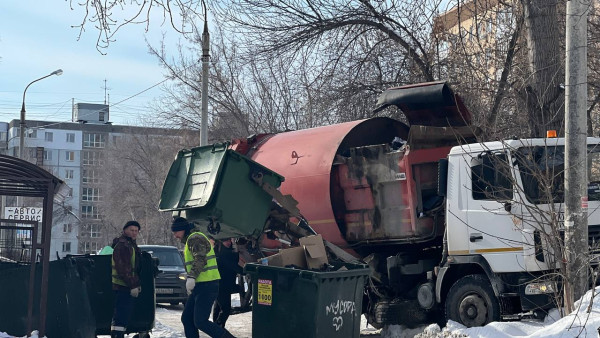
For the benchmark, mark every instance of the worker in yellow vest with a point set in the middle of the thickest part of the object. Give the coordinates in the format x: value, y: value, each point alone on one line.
x: 202, y: 280
x: 125, y: 265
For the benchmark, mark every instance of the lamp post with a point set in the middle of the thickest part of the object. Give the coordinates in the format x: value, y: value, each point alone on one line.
x: 22, y: 123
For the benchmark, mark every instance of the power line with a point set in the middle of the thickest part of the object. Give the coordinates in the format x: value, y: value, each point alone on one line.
x: 143, y: 91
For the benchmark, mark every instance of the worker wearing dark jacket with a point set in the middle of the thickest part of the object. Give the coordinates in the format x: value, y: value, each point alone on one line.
x: 125, y: 277
x: 227, y: 259
x: 202, y: 283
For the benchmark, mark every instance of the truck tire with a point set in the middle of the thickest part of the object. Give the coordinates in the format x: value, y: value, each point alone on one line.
x: 471, y: 302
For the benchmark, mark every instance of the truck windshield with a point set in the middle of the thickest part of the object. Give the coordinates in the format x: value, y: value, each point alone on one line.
x: 542, y: 170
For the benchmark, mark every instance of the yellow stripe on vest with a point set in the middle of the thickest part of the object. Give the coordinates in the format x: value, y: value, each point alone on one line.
x: 116, y: 279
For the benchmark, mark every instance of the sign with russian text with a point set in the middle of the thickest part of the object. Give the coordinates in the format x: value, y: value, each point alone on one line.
x: 24, y: 213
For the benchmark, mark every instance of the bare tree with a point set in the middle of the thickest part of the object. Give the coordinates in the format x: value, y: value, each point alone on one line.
x: 326, y: 32
x: 543, y: 94
x: 137, y: 165
x: 109, y: 17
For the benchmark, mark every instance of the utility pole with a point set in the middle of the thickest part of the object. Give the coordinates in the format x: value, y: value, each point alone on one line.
x: 576, y: 197
x: 205, y: 59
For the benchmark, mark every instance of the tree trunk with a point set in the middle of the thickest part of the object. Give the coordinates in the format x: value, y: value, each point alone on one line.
x: 543, y: 94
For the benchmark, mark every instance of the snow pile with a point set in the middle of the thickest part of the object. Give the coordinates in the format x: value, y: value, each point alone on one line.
x: 34, y: 334
x: 164, y: 331
x: 583, y: 322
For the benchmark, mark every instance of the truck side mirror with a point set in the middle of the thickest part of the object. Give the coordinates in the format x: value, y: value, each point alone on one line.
x: 442, y: 186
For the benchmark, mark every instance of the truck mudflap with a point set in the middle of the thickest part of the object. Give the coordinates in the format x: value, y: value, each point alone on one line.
x: 400, y: 312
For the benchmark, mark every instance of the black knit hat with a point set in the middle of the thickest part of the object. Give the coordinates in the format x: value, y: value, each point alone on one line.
x: 132, y: 223
x: 180, y: 223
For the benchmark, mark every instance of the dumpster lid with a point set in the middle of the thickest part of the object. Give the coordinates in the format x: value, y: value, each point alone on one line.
x: 194, y: 176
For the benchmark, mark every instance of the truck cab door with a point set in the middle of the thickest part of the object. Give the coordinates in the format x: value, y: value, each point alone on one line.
x: 492, y: 230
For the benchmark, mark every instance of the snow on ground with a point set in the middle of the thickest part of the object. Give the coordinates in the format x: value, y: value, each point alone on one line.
x: 583, y: 322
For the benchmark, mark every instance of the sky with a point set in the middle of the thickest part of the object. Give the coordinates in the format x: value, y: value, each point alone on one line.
x: 36, y: 38
x: 580, y: 323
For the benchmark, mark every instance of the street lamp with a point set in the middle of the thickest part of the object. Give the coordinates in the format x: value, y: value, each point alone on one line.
x: 22, y: 123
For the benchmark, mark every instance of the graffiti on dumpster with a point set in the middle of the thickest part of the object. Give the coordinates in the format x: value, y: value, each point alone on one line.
x: 337, y: 309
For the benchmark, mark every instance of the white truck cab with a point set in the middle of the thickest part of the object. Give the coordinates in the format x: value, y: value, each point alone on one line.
x: 505, y: 212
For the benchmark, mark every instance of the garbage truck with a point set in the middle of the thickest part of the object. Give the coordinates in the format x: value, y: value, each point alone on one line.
x: 451, y: 227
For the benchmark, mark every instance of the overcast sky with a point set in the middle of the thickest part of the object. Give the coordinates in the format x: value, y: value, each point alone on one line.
x: 36, y: 38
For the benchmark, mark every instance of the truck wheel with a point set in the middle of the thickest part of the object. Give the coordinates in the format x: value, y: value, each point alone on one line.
x: 471, y: 302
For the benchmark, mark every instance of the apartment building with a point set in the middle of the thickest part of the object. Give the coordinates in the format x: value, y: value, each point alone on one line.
x: 479, y: 31
x: 75, y: 152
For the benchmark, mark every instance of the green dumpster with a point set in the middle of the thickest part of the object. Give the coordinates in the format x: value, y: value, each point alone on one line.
x: 97, y: 272
x: 301, y: 303
x: 68, y: 311
x: 214, y: 187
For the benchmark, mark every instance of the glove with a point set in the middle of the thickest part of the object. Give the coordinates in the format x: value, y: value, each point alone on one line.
x: 190, y: 284
x: 135, y: 292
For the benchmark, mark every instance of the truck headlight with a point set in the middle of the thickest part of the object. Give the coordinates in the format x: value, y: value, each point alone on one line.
x: 540, y: 288
x: 182, y: 276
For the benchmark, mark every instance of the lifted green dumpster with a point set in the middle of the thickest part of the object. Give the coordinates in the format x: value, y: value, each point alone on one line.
x: 301, y: 303
x: 216, y: 188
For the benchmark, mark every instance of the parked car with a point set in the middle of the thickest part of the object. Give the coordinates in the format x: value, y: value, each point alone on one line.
x: 170, y: 281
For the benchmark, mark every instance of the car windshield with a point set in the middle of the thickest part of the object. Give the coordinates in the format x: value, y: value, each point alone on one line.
x: 167, y: 257
x: 542, y: 173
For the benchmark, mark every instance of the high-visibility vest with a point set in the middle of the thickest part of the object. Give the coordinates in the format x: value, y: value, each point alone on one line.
x: 210, y: 271
x: 116, y: 279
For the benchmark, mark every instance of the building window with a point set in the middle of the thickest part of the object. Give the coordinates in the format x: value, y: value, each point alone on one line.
x: 90, y: 195
x: 31, y: 133
x: 90, y: 211
x: 94, y: 158
x: 67, y: 228
x: 66, y: 247
x: 93, y: 140
x: 94, y: 230
x: 47, y: 155
x: 49, y: 136
x: 90, y: 176
x: 90, y: 247
x: 70, y: 138
x: 69, y: 174
x: 70, y: 156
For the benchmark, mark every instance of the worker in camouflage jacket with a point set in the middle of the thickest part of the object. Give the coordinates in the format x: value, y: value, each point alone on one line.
x: 202, y: 280
x: 125, y: 265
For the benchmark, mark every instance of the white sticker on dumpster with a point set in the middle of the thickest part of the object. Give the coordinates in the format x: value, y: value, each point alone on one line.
x: 338, y: 310
x: 265, y: 292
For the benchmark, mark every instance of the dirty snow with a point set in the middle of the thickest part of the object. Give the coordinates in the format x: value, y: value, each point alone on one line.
x: 583, y: 322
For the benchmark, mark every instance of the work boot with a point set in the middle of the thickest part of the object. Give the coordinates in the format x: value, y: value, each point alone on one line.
x: 227, y: 335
